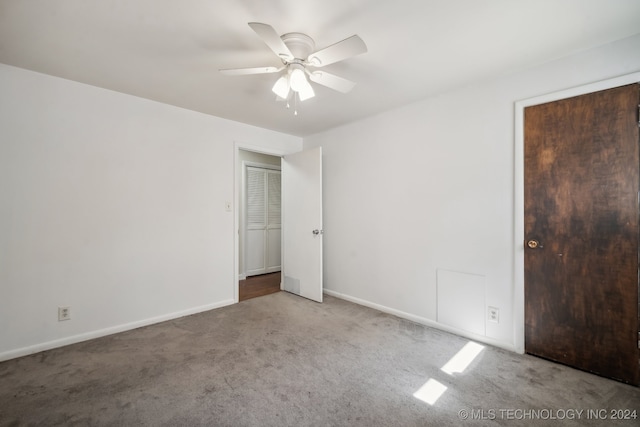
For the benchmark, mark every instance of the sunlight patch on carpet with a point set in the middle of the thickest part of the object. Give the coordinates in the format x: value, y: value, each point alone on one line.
x: 463, y: 358
x: 430, y: 392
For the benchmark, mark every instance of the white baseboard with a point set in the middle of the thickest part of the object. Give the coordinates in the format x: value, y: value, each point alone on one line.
x: 423, y: 321
x: 25, y: 351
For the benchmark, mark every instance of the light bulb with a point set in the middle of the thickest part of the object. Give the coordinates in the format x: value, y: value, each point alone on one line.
x: 299, y: 83
x: 297, y: 79
x: 281, y: 88
x: 306, y: 92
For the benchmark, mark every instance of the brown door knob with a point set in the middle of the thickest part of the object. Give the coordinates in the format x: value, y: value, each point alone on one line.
x: 533, y: 244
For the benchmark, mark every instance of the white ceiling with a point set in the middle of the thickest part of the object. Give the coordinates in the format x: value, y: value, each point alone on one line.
x: 171, y: 50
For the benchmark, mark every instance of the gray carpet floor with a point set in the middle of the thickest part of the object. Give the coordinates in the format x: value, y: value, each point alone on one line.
x: 281, y: 360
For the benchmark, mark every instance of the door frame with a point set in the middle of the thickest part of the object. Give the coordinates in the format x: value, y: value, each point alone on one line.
x: 518, y: 235
x: 237, y: 183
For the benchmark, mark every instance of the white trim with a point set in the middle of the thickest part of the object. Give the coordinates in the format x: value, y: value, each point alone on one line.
x: 422, y: 320
x: 260, y: 149
x: 25, y: 351
x: 518, y: 267
x: 237, y: 146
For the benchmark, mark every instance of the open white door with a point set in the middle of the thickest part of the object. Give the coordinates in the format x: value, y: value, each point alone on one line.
x: 302, y: 223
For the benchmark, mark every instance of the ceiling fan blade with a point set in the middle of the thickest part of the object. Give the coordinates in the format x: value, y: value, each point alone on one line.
x: 332, y: 81
x: 337, y: 52
x: 272, y: 39
x: 247, y: 71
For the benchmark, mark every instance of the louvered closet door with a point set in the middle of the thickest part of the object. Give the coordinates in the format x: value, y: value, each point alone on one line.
x: 274, y: 222
x: 263, y: 226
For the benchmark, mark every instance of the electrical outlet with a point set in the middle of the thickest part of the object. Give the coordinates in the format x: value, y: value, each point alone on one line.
x: 64, y: 313
x: 493, y: 314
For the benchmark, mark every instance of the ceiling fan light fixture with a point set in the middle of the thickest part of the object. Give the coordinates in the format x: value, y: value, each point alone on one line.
x: 281, y: 88
x: 306, y: 91
x: 297, y: 79
x: 299, y: 83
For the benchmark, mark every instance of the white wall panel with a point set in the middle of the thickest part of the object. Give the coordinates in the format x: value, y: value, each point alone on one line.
x: 460, y: 300
x: 113, y: 205
x: 431, y: 185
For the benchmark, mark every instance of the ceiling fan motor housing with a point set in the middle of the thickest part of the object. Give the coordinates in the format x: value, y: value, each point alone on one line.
x: 300, y: 45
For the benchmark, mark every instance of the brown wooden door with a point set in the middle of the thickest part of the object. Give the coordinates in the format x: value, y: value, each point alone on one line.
x: 581, y: 209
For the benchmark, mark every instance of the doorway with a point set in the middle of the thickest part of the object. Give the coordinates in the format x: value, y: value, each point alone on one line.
x: 301, y: 214
x: 581, y: 186
x: 259, y: 243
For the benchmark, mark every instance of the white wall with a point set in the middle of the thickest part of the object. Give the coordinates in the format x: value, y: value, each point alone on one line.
x: 431, y: 186
x: 112, y: 205
x: 115, y: 205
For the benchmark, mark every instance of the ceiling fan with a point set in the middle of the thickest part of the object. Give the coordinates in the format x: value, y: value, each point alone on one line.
x: 299, y: 58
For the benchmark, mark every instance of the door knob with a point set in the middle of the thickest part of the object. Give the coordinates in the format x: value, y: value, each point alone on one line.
x: 316, y: 231
x: 534, y: 244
